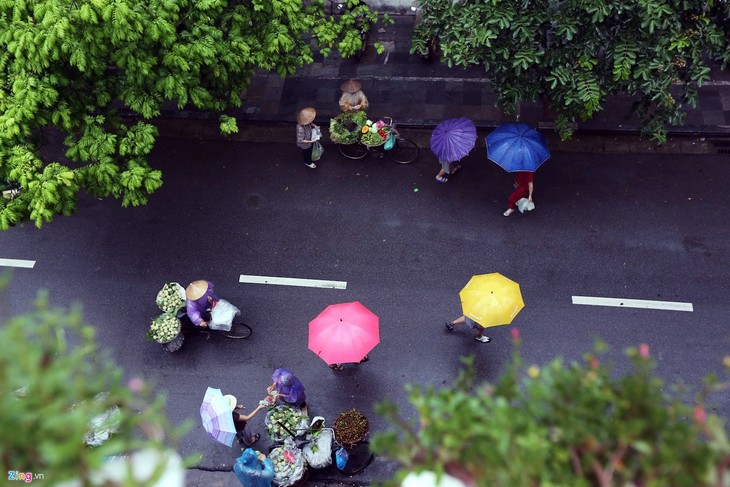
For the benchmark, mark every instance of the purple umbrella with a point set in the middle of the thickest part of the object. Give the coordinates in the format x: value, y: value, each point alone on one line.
x: 453, y: 139
x: 217, y: 418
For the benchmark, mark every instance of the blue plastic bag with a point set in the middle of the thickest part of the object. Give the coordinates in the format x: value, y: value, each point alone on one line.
x: 390, y: 141
x: 341, y: 457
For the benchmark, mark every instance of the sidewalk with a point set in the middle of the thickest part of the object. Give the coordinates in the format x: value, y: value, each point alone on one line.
x: 419, y: 95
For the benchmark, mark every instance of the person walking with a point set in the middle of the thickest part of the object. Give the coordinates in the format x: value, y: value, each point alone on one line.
x: 289, y: 389
x: 447, y: 169
x: 478, y: 329
x: 305, y: 140
x: 353, y: 99
x: 340, y: 367
x: 523, y: 189
x: 254, y: 469
x: 240, y: 421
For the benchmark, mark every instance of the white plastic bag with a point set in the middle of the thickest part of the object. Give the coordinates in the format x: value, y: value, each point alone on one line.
x: 523, y: 204
x: 221, y: 316
x: 288, y: 464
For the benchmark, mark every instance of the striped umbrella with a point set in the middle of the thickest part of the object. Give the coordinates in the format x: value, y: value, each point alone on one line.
x: 217, y: 418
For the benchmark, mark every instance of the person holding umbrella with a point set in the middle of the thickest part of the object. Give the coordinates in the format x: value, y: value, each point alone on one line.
x: 524, y: 185
x: 517, y: 148
x: 478, y: 329
x: 451, y: 141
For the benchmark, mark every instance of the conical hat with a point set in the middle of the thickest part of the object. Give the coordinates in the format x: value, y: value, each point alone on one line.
x: 196, y: 289
x: 350, y: 86
x: 306, y: 116
x: 232, y: 401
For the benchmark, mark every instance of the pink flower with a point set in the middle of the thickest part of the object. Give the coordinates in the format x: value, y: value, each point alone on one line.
x: 135, y: 384
x: 700, y: 415
x: 380, y: 124
x: 644, y: 350
x: 594, y: 363
x: 515, y: 334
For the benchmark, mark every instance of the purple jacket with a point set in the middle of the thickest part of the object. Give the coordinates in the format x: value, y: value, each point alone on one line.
x: 195, y: 308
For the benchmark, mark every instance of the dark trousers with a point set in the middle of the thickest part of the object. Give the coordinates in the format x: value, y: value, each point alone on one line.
x: 307, y: 154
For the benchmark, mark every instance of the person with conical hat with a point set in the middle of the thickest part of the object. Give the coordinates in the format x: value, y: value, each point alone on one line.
x: 305, y: 141
x: 353, y: 99
x: 199, y: 297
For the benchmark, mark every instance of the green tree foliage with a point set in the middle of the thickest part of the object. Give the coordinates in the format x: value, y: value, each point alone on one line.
x: 575, y: 53
x: 565, y: 424
x: 73, y: 64
x: 51, y: 374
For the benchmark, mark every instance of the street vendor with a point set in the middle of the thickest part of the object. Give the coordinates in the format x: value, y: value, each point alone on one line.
x: 353, y: 99
x: 199, y: 298
x: 288, y: 389
x: 253, y: 469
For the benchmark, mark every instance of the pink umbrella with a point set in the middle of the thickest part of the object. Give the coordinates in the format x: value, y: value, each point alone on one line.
x: 344, y: 333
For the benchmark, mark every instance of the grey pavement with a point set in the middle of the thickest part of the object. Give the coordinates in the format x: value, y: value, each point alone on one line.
x: 420, y: 94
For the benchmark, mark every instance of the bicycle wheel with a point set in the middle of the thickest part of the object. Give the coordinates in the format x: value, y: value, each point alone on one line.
x: 238, y: 329
x: 353, y: 151
x: 404, y: 151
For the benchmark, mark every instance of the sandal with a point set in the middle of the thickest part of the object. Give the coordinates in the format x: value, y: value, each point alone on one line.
x: 449, y: 325
x: 256, y: 437
x: 337, y: 367
x: 442, y: 179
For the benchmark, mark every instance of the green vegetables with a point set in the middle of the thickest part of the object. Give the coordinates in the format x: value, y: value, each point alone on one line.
x: 345, y: 127
x: 164, y: 328
x: 171, y: 297
x: 283, y: 418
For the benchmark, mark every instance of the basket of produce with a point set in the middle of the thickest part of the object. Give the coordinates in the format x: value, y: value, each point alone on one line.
x: 283, y: 422
x: 171, y: 297
x: 374, y: 133
x: 346, y: 128
x: 289, y: 466
x: 351, y: 427
x: 166, y: 330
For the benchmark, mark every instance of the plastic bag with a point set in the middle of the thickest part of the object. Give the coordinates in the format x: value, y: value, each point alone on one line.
x: 317, y: 151
x: 318, y: 452
x: 523, y: 204
x: 221, y: 316
x: 341, y: 457
x: 390, y: 141
x: 288, y: 464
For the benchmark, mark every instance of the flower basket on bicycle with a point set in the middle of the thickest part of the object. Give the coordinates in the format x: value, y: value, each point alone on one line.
x: 374, y: 134
x: 345, y: 128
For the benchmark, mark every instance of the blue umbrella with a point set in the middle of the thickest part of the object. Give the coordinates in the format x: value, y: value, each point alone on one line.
x: 517, y: 147
x: 453, y: 139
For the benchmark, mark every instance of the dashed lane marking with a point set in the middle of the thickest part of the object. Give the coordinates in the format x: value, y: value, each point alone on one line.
x: 29, y: 264
x: 293, y: 281
x: 633, y: 303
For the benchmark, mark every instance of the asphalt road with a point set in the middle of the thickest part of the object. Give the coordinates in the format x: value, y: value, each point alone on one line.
x: 651, y: 227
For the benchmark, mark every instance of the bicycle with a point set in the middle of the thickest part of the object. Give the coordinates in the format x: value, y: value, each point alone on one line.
x: 239, y: 330
x: 403, y: 151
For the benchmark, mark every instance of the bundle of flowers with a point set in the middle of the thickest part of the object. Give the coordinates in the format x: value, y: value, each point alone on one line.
x: 351, y: 427
x: 374, y: 133
x: 345, y: 127
x: 171, y: 297
x: 164, y: 328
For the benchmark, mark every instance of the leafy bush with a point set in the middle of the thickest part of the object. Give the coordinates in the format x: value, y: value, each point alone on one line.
x: 51, y: 377
x: 561, y: 425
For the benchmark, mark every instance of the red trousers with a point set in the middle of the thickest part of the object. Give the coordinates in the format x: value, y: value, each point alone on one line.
x: 520, y: 192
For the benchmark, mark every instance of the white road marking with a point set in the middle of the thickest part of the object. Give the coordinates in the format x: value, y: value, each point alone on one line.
x: 29, y: 264
x: 292, y: 281
x: 633, y: 303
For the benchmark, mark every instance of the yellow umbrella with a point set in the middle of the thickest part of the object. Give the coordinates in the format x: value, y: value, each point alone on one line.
x: 491, y: 299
